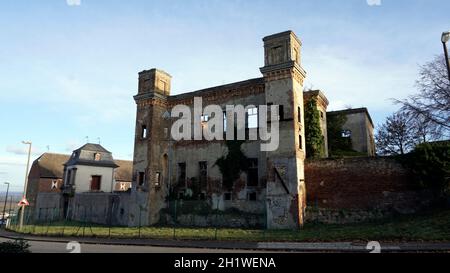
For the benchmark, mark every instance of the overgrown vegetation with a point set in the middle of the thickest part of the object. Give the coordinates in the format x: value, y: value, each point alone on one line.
x: 313, y: 132
x: 233, y: 163
x: 17, y: 246
x: 430, y: 162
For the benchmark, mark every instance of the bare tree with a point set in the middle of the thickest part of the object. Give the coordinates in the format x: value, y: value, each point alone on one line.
x: 424, y: 129
x: 432, y: 103
x: 396, y: 135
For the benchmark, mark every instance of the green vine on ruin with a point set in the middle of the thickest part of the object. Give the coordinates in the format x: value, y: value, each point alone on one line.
x: 233, y: 163
x: 313, y: 133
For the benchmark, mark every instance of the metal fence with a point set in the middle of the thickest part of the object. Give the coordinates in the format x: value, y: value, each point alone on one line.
x: 180, y: 219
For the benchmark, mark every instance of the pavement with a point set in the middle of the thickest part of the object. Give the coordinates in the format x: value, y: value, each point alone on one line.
x: 363, y: 247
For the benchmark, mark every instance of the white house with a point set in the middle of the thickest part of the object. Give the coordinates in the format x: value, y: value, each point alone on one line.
x: 90, y: 169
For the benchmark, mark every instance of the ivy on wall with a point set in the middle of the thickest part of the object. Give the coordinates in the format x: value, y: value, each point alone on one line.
x: 313, y: 133
x: 233, y: 163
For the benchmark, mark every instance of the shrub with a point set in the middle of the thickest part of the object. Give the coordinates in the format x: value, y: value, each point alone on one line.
x: 430, y: 162
x: 17, y: 246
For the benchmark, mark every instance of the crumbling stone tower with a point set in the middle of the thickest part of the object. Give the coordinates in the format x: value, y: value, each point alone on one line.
x: 283, y: 77
x: 150, y: 162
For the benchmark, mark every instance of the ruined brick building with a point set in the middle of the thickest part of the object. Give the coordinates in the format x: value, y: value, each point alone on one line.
x: 272, y: 185
x: 277, y: 177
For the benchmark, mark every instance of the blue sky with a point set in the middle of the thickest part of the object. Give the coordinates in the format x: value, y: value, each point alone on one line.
x: 70, y: 71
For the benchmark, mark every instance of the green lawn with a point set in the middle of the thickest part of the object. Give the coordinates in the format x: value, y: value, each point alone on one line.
x: 428, y: 227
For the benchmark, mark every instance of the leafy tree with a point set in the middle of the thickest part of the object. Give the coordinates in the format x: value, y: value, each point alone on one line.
x: 395, y: 135
x: 313, y: 132
x: 432, y: 102
x: 336, y: 143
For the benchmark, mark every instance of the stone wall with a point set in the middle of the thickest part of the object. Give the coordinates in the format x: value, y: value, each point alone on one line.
x: 365, y: 187
x: 48, y: 206
x: 96, y: 208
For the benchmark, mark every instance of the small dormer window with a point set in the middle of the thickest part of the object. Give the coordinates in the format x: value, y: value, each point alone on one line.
x: 97, y: 157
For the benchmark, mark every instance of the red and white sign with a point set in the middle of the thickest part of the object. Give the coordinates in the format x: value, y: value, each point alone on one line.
x: 23, y: 202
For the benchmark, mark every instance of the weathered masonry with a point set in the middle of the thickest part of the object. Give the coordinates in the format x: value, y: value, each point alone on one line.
x: 272, y: 183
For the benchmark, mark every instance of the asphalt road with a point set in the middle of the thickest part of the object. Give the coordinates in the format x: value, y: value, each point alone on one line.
x: 56, y: 247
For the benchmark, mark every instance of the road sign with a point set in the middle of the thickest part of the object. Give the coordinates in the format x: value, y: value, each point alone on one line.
x: 23, y: 202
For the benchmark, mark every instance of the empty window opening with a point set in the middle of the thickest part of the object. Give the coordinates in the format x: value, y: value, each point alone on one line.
x: 252, y: 117
x: 181, y: 194
x: 224, y: 121
x: 227, y: 196
x: 251, y: 196
x: 202, y: 196
x: 346, y: 133
x: 299, y: 114
x: 252, y: 173
x: 203, y: 174
x: 144, y: 131
x: 204, y: 118
x: 157, y: 179
x: 300, y: 142
x: 141, y: 178
x: 280, y: 112
x: 182, y: 173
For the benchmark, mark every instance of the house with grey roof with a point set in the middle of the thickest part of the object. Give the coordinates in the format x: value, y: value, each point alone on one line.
x: 58, y: 184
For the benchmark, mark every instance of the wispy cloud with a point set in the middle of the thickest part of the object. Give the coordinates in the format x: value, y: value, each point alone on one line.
x: 12, y: 161
x: 73, y: 2
x: 22, y: 150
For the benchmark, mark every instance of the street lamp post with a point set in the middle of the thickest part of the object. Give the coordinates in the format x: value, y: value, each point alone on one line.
x: 22, y: 211
x: 445, y: 38
x: 6, y: 199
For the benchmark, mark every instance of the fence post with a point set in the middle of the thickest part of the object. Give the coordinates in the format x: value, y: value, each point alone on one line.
x: 140, y: 213
x: 47, y: 223
x: 175, y: 219
x: 64, y: 224
x: 217, y: 213
x: 265, y: 221
x: 84, y: 221
x: 109, y: 228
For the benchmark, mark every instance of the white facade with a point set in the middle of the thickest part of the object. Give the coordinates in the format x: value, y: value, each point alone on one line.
x: 83, y: 178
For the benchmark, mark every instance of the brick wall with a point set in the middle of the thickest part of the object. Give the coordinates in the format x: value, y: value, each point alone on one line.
x: 363, y: 183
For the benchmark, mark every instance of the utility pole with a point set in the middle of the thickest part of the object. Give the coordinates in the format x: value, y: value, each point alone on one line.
x: 6, y: 200
x: 22, y: 211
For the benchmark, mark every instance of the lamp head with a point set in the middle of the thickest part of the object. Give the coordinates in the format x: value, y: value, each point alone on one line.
x: 445, y: 37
